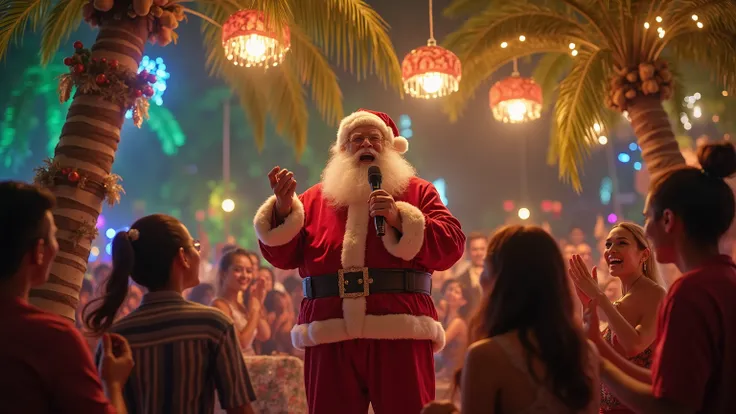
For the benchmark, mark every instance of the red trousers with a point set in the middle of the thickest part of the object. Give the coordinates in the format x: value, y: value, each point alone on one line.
x: 395, y: 375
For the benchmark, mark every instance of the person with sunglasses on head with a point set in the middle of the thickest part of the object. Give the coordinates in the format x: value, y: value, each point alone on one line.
x: 183, y: 351
x: 46, y: 364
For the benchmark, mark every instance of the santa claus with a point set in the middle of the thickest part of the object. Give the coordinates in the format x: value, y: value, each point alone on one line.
x: 367, y: 323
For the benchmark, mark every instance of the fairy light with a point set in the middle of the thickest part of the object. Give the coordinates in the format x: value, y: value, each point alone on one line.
x: 522, y: 38
x: 695, y: 17
x: 572, y: 45
x: 700, y: 25
x: 661, y: 33
x: 724, y: 93
x: 697, y: 112
x: 603, y: 140
x: 504, y: 45
x: 646, y: 25
x: 574, y: 52
x: 597, y: 128
x: 658, y: 19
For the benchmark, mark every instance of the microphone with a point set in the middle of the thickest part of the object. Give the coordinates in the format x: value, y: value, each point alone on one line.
x: 375, y: 178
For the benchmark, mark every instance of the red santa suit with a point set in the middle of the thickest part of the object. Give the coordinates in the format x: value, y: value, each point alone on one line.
x: 376, y: 348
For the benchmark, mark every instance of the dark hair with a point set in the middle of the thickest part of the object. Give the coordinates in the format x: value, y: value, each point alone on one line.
x: 700, y: 197
x: 271, y: 301
x: 475, y: 236
x: 23, y: 208
x: 198, y: 293
x: 146, y: 257
x: 225, y: 262
x: 534, y: 298
x: 464, y: 310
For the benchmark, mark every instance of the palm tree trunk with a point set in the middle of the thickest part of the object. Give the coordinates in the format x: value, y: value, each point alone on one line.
x: 659, y: 148
x: 88, y: 142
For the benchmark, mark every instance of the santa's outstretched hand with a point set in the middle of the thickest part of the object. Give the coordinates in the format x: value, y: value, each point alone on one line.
x: 283, y: 185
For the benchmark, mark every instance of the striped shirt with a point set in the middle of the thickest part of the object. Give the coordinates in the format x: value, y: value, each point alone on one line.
x: 183, y: 352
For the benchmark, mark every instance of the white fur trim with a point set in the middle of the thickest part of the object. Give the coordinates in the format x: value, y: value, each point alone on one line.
x: 360, y: 118
x: 283, y: 233
x: 401, y: 144
x: 356, y: 324
x: 412, y: 237
x: 356, y: 232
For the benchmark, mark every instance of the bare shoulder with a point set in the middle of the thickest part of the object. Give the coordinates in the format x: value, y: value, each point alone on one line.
x: 222, y: 306
x: 652, y: 292
x: 484, y: 351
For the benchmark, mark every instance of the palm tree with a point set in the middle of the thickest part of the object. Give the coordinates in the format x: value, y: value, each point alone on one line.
x: 621, y: 52
x: 347, y: 31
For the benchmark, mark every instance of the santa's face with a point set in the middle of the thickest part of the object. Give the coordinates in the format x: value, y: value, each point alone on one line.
x: 365, y: 142
x: 345, y: 178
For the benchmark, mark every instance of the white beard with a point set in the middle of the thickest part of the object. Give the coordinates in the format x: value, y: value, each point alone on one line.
x: 345, y: 178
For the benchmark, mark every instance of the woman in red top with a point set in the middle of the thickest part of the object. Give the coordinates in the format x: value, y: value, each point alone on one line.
x: 694, y: 369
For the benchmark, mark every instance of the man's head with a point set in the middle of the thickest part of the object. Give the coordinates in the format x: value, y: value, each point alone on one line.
x: 28, y: 243
x: 365, y: 138
x: 477, y: 248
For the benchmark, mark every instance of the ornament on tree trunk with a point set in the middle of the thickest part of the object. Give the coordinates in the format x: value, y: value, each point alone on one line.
x: 84, y: 231
x: 108, y: 80
x: 52, y: 174
x: 647, y: 79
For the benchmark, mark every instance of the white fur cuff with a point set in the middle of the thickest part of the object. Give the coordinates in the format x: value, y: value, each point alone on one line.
x: 283, y: 233
x: 412, y: 237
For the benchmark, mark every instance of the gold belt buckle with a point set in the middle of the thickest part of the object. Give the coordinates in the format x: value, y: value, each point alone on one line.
x: 365, y: 281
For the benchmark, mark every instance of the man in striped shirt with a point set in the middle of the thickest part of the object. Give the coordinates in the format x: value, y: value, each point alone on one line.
x: 183, y: 352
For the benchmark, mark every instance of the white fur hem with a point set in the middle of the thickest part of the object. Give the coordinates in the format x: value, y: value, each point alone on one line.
x: 356, y: 324
x: 412, y: 237
x: 286, y: 231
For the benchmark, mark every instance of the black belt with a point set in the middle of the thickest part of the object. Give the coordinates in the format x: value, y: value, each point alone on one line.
x: 362, y: 281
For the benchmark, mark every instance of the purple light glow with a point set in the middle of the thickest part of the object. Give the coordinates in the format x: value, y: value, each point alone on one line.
x: 612, y: 218
x: 100, y: 221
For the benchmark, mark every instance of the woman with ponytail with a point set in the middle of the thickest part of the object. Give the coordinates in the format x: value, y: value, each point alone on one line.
x: 183, y: 351
x: 694, y: 369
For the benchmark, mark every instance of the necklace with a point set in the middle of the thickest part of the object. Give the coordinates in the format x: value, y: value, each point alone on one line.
x: 628, y: 292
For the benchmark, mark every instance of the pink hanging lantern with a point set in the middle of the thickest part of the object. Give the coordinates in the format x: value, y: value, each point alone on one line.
x: 431, y: 72
x: 515, y: 99
x: 248, y: 41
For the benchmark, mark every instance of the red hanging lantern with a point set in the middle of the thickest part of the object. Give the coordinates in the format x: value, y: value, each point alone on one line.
x: 431, y: 72
x: 248, y: 41
x: 515, y: 99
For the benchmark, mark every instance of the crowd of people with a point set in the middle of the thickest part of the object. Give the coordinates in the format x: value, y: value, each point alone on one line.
x: 523, y: 322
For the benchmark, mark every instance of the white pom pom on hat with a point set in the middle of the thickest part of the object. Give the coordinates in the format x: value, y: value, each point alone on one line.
x: 380, y: 120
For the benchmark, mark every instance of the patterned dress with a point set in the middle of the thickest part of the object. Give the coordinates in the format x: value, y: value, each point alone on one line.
x: 609, y: 403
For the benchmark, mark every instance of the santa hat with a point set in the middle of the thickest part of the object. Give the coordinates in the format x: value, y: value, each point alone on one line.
x: 376, y: 119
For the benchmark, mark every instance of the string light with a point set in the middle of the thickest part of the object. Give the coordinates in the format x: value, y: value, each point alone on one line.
x: 524, y: 213
x: 574, y: 53
x: 724, y: 93
x: 572, y: 45
x: 603, y: 140
x: 646, y: 25
x: 504, y: 45
x: 700, y: 25
x: 522, y: 38
x: 695, y: 17
x: 658, y: 19
x: 697, y: 112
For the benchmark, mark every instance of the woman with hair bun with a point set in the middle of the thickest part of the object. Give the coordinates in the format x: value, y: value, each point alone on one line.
x: 694, y: 370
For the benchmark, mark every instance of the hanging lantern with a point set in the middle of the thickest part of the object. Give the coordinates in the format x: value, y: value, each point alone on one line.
x: 516, y: 99
x: 430, y: 72
x: 249, y: 42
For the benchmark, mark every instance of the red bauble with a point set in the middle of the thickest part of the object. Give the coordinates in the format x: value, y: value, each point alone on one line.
x: 114, y: 64
x: 148, y: 91
x: 94, y: 60
x: 68, y: 61
x: 103, y: 60
x: 151, y: 78
x: 73, y: 176
x: 143, y: 74
x: 138, y: 93
x: 78, y: 68
x: 66, y: 171
x: 78, y: 45
x: 101, y: 79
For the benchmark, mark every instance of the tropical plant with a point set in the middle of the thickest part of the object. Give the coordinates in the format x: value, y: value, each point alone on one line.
x: 620, y: 52
x: 347, y: 31
x: 21, y: 118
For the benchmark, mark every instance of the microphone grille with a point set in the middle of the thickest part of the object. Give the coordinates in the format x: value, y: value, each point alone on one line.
x: 374, y: 170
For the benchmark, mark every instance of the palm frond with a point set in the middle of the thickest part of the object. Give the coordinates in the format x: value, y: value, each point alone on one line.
x: 314, y: 70
x: 550, y: 69
x: 278, y: 12
x: 63, y: 19
x: 489, y: 29
x: 480, y: 67
x: 352, y: 33
x: 14, y: 18
x: 167, y: 129
x: 287, y: 105
x: 578, y: 108
x: 712, y: 50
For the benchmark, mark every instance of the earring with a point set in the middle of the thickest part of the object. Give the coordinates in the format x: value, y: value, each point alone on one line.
x: 645, y: 267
